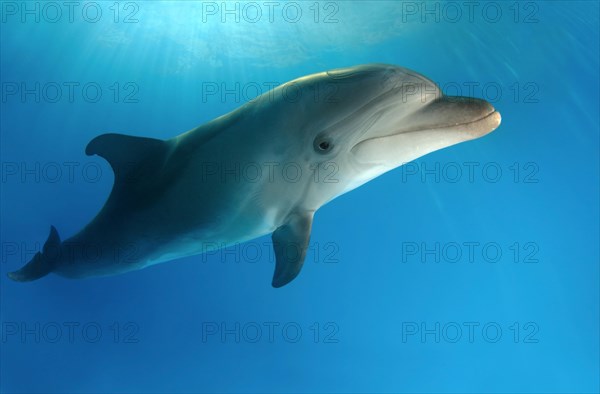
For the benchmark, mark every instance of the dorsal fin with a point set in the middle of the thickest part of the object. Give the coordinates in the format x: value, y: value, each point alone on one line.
x: 136, y: 161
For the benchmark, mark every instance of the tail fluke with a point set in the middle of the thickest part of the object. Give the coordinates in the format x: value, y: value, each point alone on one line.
x: 42, y: 263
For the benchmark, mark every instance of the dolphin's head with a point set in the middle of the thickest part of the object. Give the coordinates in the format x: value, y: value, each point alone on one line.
x: 356, y: 123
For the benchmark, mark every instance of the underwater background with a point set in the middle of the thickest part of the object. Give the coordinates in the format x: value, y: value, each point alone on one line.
x: 472, y: 269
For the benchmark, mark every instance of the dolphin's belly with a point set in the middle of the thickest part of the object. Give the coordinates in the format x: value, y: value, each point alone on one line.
x: 192, y: 246
x: 172, y: 228
x: 202, y: 240
x: 109, y: 257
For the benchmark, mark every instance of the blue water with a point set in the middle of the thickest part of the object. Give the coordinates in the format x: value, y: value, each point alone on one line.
x: 473, y: 269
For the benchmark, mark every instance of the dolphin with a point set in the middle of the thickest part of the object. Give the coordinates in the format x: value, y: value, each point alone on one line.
x: 303, y: 143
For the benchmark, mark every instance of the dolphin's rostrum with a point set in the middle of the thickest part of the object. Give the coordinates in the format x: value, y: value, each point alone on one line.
x: 305, y: 143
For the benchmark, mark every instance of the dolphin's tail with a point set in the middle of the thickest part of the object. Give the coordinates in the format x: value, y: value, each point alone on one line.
x: 42, y: 263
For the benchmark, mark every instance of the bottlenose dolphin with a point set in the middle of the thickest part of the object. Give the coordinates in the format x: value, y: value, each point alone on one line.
x: 305, y: 142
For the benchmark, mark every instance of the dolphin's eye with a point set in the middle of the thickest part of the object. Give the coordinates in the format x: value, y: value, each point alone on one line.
x: 323, y: 146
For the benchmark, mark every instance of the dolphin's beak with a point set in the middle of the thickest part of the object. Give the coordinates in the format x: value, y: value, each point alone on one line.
x: 444, y: 122
x: 460, y: 114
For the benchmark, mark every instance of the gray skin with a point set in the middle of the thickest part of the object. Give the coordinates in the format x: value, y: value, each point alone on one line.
x: 263, y: 168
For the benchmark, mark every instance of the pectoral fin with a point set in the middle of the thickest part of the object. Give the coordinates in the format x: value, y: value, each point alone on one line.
x: 290, y: 242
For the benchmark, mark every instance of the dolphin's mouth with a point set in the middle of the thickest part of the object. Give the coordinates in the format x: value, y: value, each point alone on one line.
x: 477, y: 127
x: 445, y: 122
